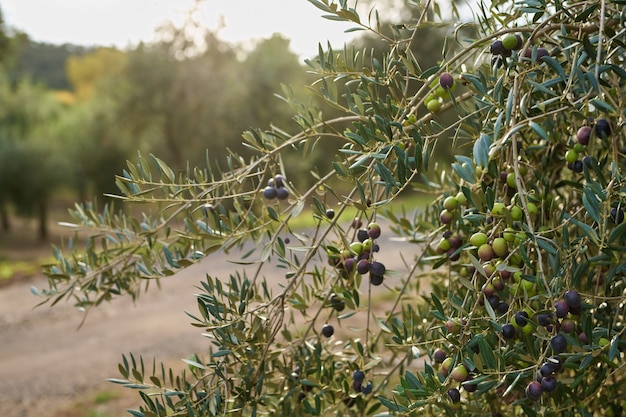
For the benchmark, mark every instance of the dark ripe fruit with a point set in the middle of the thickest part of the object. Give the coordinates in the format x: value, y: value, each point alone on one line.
x: 446, y: 216
x: 282, y: 193
x: 439, y: 355
x: 348, y: 400
x: 488, y: 290
x: 534, y: 391
x: 500, y: 247
x: 376, y: 279
x: 356, y: 385
x: 603, y: 128
x: 556, y: 362
x: 497, y: 48
x: 583, y: 135
x: 468, y: 386
x: 549, y: 384
x: 356, y: 223
x: 508, y: 331
x: 502, y: 308
x: 576, y: 166
x: 617, y: 215
x: 375, y: 247
x: 588, y: 161
x: 562, y: 309
x: 330, y: 213
x: 459, y: 373
x: 494, y: 301
x: 453, y: 325
x: 301, y: 396
x: 572, y: 298
x: 497, y: 61
x: 547, y: 369
x: 545, y: 319
x: 373, y: 230
x: 568, y: 326
x: 328, y: 330
x: 446, y: 80
x: 541, y: 52
x: 363, y: 266
x: 377, y: 268
x: 521, y: 318
x: 583, y: 338
x: 558, y: 343
x: 287, y: 240
x: 361, y: 235
x: 453, y: 255
x: 348, y: 264
x: 279, y: 181
x: 337, y: 302
x: 358, y: 375
x: 269, y: 192
x: 485, y: 252
x: 367, y: 388
x: 497, y: 283
x: 454, y: 394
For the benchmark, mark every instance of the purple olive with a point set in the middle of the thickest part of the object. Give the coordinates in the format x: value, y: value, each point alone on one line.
x: 534, y: 391
x: 446, y: 80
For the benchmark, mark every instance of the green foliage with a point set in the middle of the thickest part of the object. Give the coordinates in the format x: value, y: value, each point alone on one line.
x: 541, y: 289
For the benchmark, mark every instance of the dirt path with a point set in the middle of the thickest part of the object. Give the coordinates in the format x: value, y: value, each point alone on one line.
x: 46, y: 361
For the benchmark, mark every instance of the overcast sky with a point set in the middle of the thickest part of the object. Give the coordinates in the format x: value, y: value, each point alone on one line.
x: 125, y: 22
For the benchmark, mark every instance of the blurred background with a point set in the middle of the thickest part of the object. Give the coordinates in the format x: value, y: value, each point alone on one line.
x: 94, y: 82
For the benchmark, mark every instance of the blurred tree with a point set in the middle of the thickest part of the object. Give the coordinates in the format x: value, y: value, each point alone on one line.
x: 42, y: 62
x: 86, y: 71
x: 30, y: 163
x: 5, y: 40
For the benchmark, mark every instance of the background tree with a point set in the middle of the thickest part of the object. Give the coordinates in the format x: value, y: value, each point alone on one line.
x: 30, y: 163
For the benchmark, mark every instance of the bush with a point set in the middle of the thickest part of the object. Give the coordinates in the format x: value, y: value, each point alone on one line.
x: 522, y: 246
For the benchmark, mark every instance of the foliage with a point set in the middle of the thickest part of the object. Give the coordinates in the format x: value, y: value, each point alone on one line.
x: 522, y: 249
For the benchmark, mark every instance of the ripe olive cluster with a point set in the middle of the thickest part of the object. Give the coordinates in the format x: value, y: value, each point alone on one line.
x: 601, y: 130
x: 358, y: 255
x: 454, y: 372
x: 276, y: 188
x: 442, y: 92
x: 485, y: 245
x: 359, y: 384
x: 503, y: 48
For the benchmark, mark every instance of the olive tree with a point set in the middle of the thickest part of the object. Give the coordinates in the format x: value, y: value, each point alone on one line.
x: 521, y: 248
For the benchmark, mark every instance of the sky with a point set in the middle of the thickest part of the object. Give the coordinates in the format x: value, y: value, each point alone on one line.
x: 123, y: 23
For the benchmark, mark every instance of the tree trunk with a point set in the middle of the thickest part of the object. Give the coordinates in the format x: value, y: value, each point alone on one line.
x: 4, y: 218
x: 43, y: 219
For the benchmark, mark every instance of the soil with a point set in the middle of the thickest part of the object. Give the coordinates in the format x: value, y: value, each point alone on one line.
x: 48, y: 362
